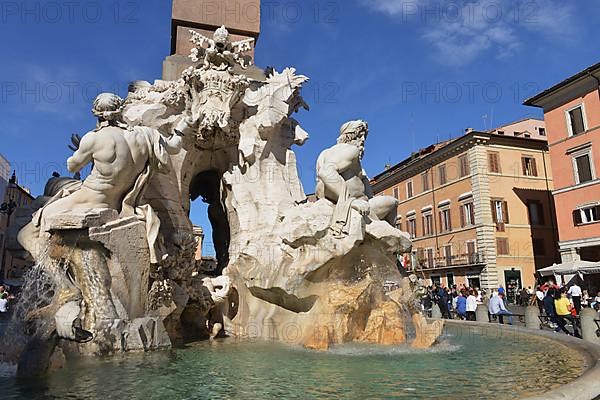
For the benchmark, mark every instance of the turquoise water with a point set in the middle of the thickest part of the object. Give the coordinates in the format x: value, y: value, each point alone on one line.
x: 462, y: 366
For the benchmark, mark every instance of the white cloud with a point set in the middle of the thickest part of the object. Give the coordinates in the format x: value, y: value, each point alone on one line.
x: 461, y: 32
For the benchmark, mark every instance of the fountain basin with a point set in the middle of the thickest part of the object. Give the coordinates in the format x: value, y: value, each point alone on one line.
x: 472, y: 360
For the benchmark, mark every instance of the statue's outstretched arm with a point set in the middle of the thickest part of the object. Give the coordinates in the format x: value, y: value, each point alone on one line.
x: 83, y: 155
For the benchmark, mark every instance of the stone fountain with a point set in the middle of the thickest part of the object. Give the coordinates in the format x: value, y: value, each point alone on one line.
x: 116, y: 270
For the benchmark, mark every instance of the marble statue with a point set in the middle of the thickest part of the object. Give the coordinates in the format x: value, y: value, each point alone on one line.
x: 342, y: 180
x: 118, y: 250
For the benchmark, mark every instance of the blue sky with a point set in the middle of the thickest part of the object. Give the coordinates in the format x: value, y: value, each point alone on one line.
x: 418, y: 71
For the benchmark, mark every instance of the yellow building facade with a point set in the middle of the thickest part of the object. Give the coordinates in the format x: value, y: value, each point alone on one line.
x: 479, y: 208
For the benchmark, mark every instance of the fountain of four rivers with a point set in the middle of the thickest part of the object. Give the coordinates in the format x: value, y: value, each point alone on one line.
x: 296, y: 308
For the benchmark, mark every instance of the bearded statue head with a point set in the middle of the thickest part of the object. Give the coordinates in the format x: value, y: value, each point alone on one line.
x: 354, y: 133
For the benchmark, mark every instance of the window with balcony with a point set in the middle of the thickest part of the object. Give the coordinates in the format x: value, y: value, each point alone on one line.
x: 467, y: 215
x: 587, y: 215
x: 448, y: 254
x: 442, y: 174
x: 409, y: 189
x: 529, y: 166
x: 494, y: 162
x: 425, y: 181
x: 430, y: 260
x: 464, y: 168
x: 576, y: 123
x: 445, y: 220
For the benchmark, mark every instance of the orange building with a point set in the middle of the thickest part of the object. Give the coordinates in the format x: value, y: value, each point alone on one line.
x: 478, y: 207
x: 572, y: 115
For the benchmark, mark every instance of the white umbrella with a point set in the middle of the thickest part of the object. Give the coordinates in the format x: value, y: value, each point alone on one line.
x: 571, y: 268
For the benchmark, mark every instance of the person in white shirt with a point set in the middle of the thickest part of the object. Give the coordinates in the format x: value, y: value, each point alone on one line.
x: 3, y: 305
x: 575, y: 293
x: 539, y: 299
x: 471, y: 306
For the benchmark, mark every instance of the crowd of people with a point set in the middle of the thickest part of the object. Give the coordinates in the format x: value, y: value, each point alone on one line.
x: 560, y: 305
x: 462, y: 300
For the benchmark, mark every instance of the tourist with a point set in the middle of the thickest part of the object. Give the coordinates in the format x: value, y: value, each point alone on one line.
x: 575, y: 293
x: 539, y: 299
x: 549, y: 307
x: 479, y: 294
x: 471, y: 306
x: 461, y: 306
x: 524, y: 297
x: 585, y: 299
x: 562, y: 305
x: 427, y: 303
x: 3, y: 304
x: 500, y: 290
x: 498, y: 308
x: 596, y: 299
x: 442, y: 297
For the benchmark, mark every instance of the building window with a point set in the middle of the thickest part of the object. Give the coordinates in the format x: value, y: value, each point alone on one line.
x: 448, y: 254
x: 494, y: 162
x: 427, y: 225
x: 542, y: 131
x: 430, y: 261
x: 586, y: 215
x: 576, y: 120
x: 464, y: 168
x: 536, y: 212
x: 529, y: 166
x: 467, y: 215
x: 450, y: 279
x: 445, y: 220
x: 500, y: 132
x: 420, y: 257
x: 538, y: 247
x: 502, y: 246
x: 442, y: 174
x: 409, y: 189
x: 396, y: 193
x: 500, y: 214
x: 411, y: 226
x: 583, y: 167
x: 425, y: 181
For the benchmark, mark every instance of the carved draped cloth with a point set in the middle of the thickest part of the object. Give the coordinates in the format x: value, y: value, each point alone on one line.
x: 341, y: 215
x: 158, y: 161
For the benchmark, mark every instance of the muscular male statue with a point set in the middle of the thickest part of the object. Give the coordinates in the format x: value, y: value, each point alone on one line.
x: 123, y: 159
x: 342, y: 180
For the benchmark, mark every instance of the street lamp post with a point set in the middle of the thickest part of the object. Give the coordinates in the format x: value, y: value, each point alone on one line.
x: 7, y: 208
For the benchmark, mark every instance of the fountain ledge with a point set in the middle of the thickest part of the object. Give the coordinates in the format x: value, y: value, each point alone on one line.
x: 583, y: 388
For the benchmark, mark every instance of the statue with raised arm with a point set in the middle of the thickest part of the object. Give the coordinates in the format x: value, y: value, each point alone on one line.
x: 124, y: 158
x: 342, y: 180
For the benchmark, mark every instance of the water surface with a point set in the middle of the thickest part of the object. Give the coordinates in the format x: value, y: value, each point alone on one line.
x: 463, y: 366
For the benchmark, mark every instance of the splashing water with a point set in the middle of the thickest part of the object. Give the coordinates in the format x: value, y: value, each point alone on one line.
x: 28, y: 321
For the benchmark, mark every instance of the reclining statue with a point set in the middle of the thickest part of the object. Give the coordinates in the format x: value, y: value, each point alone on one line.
x: 123, y: 160
x: 342, y: 180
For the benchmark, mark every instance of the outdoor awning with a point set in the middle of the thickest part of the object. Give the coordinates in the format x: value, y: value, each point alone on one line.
x: 571, y: 268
